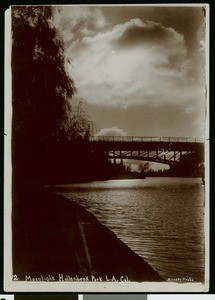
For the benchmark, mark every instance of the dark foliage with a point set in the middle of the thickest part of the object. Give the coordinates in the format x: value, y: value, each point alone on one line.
x: 41, y: 90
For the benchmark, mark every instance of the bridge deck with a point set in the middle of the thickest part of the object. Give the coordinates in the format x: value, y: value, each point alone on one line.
x: 146, y: 139
x: 147, y: 143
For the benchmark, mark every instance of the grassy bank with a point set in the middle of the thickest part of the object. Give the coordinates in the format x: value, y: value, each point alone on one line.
x: 53, y: 235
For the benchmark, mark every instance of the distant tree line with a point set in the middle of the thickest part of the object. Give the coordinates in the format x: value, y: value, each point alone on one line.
x: 189, y: 166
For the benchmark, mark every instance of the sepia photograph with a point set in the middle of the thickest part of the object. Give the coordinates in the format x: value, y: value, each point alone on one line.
x: 106, y: 148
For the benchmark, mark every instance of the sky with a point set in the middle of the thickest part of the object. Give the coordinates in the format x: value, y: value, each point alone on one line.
x: 140, y: 69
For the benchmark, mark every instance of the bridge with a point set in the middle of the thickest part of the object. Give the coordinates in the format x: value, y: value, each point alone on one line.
x: 167, y: 150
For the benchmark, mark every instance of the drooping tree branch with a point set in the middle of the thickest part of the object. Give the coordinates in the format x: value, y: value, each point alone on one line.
x: 41, y: 86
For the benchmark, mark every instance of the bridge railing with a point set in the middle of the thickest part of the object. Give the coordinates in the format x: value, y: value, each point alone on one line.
x: 146, y: 139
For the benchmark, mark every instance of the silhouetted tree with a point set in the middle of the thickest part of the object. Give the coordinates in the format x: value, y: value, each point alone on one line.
x: 41, y: 89
x: 144, y: 167
x: 79, y: 124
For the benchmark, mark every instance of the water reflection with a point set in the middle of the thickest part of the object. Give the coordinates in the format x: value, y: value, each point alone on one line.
x: 161, y: 219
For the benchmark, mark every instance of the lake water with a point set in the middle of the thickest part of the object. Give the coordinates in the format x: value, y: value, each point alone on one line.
x: 161, y: 219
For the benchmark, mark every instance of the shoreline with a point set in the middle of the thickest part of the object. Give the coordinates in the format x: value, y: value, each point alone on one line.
x: 58, y: 239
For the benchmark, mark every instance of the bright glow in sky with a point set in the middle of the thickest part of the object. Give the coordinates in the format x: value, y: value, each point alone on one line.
x: 141, y: 70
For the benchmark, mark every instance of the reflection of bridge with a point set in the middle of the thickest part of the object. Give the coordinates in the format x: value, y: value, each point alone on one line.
x: 158, y: 149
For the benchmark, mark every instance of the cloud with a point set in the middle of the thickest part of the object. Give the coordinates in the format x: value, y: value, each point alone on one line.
x: 137, y: 32
x: 171, y: 120
x: 133, y: 63
x: 129, y: 64
x: 113, y: 131
x: 77, y: 22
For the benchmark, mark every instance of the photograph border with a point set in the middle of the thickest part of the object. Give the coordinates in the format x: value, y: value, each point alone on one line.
x: 15, y: 286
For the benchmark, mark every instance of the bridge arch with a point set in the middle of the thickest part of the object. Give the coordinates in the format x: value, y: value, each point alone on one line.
x: 168, y: 158
x: 170, y: 151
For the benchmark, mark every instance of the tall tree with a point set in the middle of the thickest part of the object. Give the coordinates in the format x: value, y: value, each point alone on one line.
x: 41, y: 88
x: 79, y: 124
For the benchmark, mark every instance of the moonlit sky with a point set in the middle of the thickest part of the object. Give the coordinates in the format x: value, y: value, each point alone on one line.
x: 140, y: 69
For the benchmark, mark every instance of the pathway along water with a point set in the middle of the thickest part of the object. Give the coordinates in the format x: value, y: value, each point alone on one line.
x: 161, y: 219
